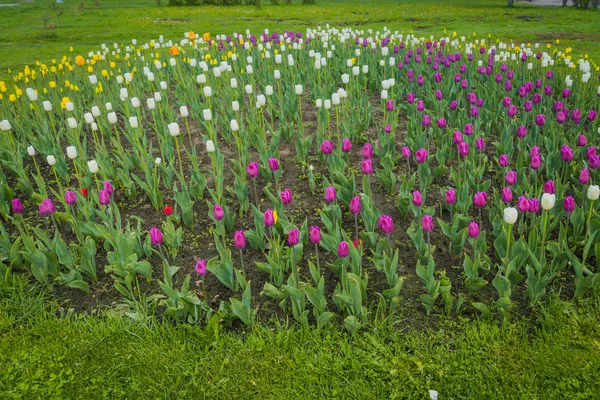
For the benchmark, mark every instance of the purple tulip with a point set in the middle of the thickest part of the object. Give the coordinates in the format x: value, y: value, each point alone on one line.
x: 566, y: 153
x: 581, y: 140
x: 293, y: 237
x: 417, y: 199
x: 156, y: 236
x: 536, y: 162
x: 426, y: 120
x: 70, y: 197
x: 566, y: 93
x: 507, y: 195
x: 463, y: 149
x: 17, y: 206
x: 534, y: 205
x: 473, y: 230
x: 550, y: 187
x: 450, y: 196
x: 367, y: 151
x: 590, y: 152
x: 269, y: 218
x: 453, y: 105
x: 427, y: 223
x: 355, y: 205
x: 218, y: 212
x: 594, y: 162
x: 420, y: 105
x: 108, y: 186
x: 503, y: 160
x: 535, y: 151
x: 441, y: 122
x: 47, y: 207
x: 569, y: 204
x: 239, y: 240
x: 346, y: 145
x: 386, y: 224
x: 591, y: 115
x: 389, y: 105
x: 367, y: 167
x: 330, y: 194
x: 421, y: 156
x: 479, y: 199
x: 410, y: 98
x: 523, y: 204
x: 584, y: 176
x: 327, y: 147
x: 273, y: 164
x: 480, y: 144
x: 457, y: 137
x: 104, y: 197
x: 343, y: 249
x: 314, y: 234
x: 286, y: 196
x: 201, y: 267
x: 388, y: 128
x: 511, y: 177
x: 522, y: 131
x: 252, y: 169
x: 540, y: 120
x: 406, y: 152
x: 468, y: 130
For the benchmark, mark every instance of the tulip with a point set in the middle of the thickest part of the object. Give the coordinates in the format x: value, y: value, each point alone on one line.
x: 427, y: 223
x: 346, y: 145
x: 103, y: 197
x: 510, y: 215
x: 293, y: 237
x: 421, y: 156
x: 168, y: 210
x: 451, y: 196
x: 31, y: 151
x: 593, y: 192
x: 108, y: 186
x: 330, y: 194
x: 355, y: 205
x: 156, y: 236
x: 549, y: 187
x: 47, y: 207
x: 133, y: 122
x: 548, y: 201
x: 406, y: 152
x: 210, y: 146
x: 480, y: 199
x: 566, y: 153
x: 343, y: 249
x: 201, y: 268
x: 417, y: 199
x: 239, y: 240
x: 480, y: 144
x: 17, y: 206
x: 252, y: 169
x: 314, y: 234
x: 367, y: 151
x: 70, y: 197
x: 93, y: 166
x: 523, y: 204
x: 218, y: 212
x: 269, y: 218
x: 327, y: 147
x: 569, y: 204
x: 286, y: 196
x: 457, y: 137
x: 534, y: 205
x: 584, y: 176
x: 173, y: 129
x: 536, y: 162
x: 72, y: 152
x: 511, y: 178
x: 507, y: 195
x: 386, y: 224
x: 503, y: 160
x: 84, y: 192
x: 51, y: 160
x: 463, y: 149
x: 473, y: 230
x: 273, y: 164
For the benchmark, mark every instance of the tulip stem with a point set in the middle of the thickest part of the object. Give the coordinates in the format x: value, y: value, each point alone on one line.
x: 242, y: 262
x: 294, y: 266
x: 317, y: 252
x: 544, y: 223
x: 255, y: 193
x: 508, y: 235
x: 179, y: 157
x: 587, y: 228
x: 356, y: 229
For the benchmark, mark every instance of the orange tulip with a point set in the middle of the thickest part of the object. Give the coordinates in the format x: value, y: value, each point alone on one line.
x: 79, y: 60
x: 191, y: 35
x: 174, y: 51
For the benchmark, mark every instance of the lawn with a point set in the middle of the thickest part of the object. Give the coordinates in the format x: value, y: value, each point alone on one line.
x: 24, y: 39
x: 553, y: 354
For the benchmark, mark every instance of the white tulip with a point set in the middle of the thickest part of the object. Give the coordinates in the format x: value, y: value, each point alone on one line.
x: 310, y: 167
x: 95, y: 111
x: 151, y: 103
x: 548, y: 201
x: 319, y: 103
x: 235, y: 105
x: 249, y: 70
x: 510, y: 215
x: 317, y: 64
x: 210, y: 146
x: 173, y: 129
x: 112, y: 118
x: 345, y: 78
x: 51, y: 160
x: 355, y: 71
x: 277, y: 58
x: 158, y: 64
x: 5, y: 125
x: 335, y: 99
x: 207, y: 114
x: 384, y: 94
x: 365, y: 69
x: 172, y: 62
x: 201, y: 79
x: 89, y: 118
x: 135, y: 102
x: 128, y: 77
x: 133, y: 122
x: 248, y: 89
x: 157, y: 96
x: 32, y: 94
x: 69, y: 105
x: 72, y: 123
x: 207, y: 91
x: 157, y: 161
x: 119, y: 79
x: 94, y: 126
x: 123, y: 93
x: 31, y: 151
x: 150, y: 76
x: 71, y: 152
x: 234, y: 125
x: 327, y: 104
x: 277, y: 75
x: 593, y: 192
x: 299, y: 89
x: 47, y: 105
x: 290, y: 60
x: 233, y: 83
x: 183, y: 110
x: 269, y: 90
x: 93, y: 79
x: 217, y: 72
x: 261, y: 100
x: 108, y: 107
x: 93, y: 166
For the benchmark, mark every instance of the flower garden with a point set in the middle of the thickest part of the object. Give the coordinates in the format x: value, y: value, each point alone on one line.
x: 323, y: 176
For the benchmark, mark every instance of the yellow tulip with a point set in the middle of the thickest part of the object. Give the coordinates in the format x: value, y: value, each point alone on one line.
x: 206, y: 37
x: 79, y: 60
x: 12, y: 98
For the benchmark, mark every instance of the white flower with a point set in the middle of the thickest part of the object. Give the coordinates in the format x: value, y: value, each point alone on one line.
x: 510, y: 215
x: 235, y: 105
x: 248, y: 89
x: 365, y: 69
x: 72, y: 122
x: 135, y: 102
x: 157, y: 96
x: 150, y: 76
x: 151, y: 103
x: 201, y: 79
x: 108, y: 106
x: 183, y: 110
x: 93, y: 166
x: 210, y: 146
x: 112, y: 118
x: 32, y: 94
x: 345, y: 78
x: 51, y: 160
x: 355, y: 71
x: 5, y: 125
x: 207, y: 91
x: 433, y: 394
x: 71, y: 152
x: 261, y: 100
x: 335, y: 99
x: 319, y: 103
x: 269, y: 90
x: 207, y: 114
x: 384, y: 94
x: 593, y: 192
x: 123, y: 93
x: 69, y: 105
x: 277, y: 75
x: 310, y: 167
x: 89, y: 118
x: 133, y: 122
x: 327, y: 104
x: 249, y: 70
x: 299, y: 89
x: 157, y: 161
x: 95, y: 111
x: 31, y: 151
x: 548, y: 201
x: 47, y: 105
x: 234, y: 125
x: 94, y: 126
x: 172, y: 62
x: 93, y: 79
x: 234, y: 83
x: 174, y: 129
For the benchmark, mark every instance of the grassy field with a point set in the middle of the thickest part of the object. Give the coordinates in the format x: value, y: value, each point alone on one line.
x: 555, y: 354
x: 31, y: 31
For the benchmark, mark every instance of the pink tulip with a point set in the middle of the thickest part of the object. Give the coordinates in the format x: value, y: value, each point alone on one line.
x: 239, y: 240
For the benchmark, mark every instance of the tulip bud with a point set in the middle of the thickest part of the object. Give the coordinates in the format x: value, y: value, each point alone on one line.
x: 218, y: 212
x: 17, y: 206
x: 286, y: 196
x: 210, y: 146
x: 207, y: 114
x: 239, y: 240
x: 135, y: 102
x: 293, y: 237
x: 156, y: 236
x: 201, y: 267
x: 367, y: 151
x: 548, y: 201
x: 173, y: 129
x: 273, y: 164
x: 417, y: 199
x: 51, y: 160
x: 31, y: 151
x: 133, y: 122
x: 112, y: 118
x: 427, y: 223
x: 207, y: 91
x: 157, y: 161
x: 510, y: 215
x: 314, y: 234
x: 47, y: 105
x: 71, y: 152
x: 330, y: 194
x: 235, y: 105
x: 72, y: 122
x: 343, y: 249
x: 269, y: 218
x: 367, y: 167
x: 593, y: 192
x: 473, y: 230
x: 93, y: 166
x: 47, y: 207
x: 183, y: 110
x: 355, y: 205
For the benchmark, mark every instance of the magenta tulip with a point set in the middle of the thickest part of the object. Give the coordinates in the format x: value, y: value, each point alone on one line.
x: 355, y: 205
x: 327, y: 147
x: 17, y: 206
x: 427, y: 223
x: 252, y: 169
x: 346, y: 145
x: 269, y: 218
x: 70, y: 197
x: 569, y: 204
x: 507, y: 195
x: 473, y: 229
x: 523, y: 204
x: 239, y: 240
x: 417, y: 199
x: 386, y: 224
x: 293, y: 237
x: 104, y: 197
x: 479, y: 199
x: 421, y: 156
x: 156, y: 236
x: 550, y: 187
x: 201, y: 267
x: 314, y: 234
x: 330, y: 194
x: 273, y: 164
x: 367, y: 167
x: 450, y: 196
x: 286, y: 196
x: 367, y: 151
x: 343, y: 249
x: 218, y: 212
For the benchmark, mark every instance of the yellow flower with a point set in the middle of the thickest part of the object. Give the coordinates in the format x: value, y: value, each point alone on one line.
x: 191, y: 35
x: 19, y: 92
x: 174, y: 51
x: 71, y: 49
x: 206, y: 37
x: 275, y: 218
x: 12, y: 98
x: 557, y: 41
x: 207, y: 56
x: 52, y: 84
x: 79, y: 60
x: 104, y: 73
x: 112, y: 64
x: 90, y: 69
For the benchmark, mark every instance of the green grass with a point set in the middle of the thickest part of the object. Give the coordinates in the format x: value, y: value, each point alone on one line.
x: 23, y: 38
x: 43, y: 355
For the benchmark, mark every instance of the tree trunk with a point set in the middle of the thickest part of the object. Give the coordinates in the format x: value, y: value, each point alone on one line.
x: 510, y: 3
